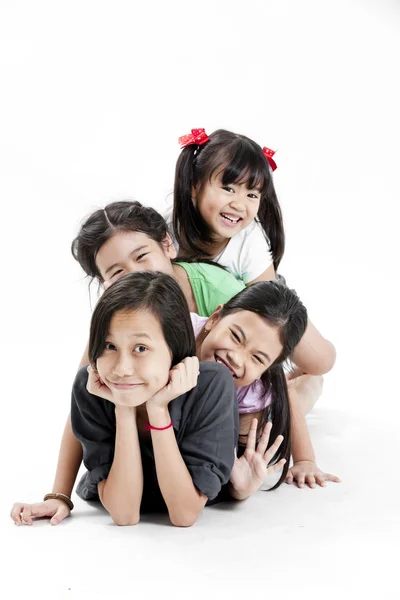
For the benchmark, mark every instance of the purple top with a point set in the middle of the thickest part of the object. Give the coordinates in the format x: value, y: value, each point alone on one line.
x: 251, y: 398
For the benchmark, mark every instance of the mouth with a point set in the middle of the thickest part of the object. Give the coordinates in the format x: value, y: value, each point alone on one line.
x: 230, y: 219
x: 218, y: 359
x: 125, y: 386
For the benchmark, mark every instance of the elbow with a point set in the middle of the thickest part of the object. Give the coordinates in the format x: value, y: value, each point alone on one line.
x: 327, y: 361
x: 324, y: 363
x: 125, y: 519
x: 183, y: 519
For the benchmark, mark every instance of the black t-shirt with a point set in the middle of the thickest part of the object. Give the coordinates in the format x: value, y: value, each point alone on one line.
x: 206, y: 423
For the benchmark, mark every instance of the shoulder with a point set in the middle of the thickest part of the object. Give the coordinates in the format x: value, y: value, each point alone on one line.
x: 197, y: 323
x: 215, y: 378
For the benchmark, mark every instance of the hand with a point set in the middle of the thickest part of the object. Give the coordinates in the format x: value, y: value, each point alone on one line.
x: 22, y: 514
x: 250, y: 470
x: 182, y: 378
x: 308, y: 472
x: 96, y: 386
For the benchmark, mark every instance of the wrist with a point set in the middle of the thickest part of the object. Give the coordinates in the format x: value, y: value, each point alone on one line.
x: 158, y: 416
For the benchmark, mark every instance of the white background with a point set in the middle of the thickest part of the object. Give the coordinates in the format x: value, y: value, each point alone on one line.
x: 93, y: 98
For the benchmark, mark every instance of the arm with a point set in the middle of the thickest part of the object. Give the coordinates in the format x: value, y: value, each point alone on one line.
x: 121, y: 492
x: 69, y: 461
x: 195, y: 471
x: 182, y: 498
x: 304, y: 468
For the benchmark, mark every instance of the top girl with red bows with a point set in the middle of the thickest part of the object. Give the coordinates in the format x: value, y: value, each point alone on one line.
x: 226, y: 209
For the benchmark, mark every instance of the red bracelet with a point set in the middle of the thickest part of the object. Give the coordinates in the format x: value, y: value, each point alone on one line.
x: 148, y: 427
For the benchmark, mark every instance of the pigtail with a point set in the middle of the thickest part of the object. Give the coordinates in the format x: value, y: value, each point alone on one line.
x: 278, y: 412
x: 270, y: 217
x: 188, y: 225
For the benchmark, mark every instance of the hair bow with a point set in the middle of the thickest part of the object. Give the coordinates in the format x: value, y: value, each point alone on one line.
x: 198, y: 136
x: 268, y: 155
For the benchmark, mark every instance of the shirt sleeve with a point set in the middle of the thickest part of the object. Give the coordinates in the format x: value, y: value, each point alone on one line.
x: 255, y: 254
x: 93, y: 424
x: 212, y: 432
x: 252, y: 398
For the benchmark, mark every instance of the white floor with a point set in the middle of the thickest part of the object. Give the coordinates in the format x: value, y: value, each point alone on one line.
x: 341, y: 541
x: 95, y: 96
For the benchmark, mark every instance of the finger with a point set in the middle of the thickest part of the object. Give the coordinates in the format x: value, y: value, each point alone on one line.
x: 192, y: 370
x: 300, y: 480
x: 251, y: 437
x: 263, y: 443
x: 320, y: 479
x: 310, y: 479
x: 330, y: 477
x: 26, y: 515
x: 289, y: 477
x: 272, y: 450
x: 276, y: 467
x: 15, y: 513
x: 62, y: 512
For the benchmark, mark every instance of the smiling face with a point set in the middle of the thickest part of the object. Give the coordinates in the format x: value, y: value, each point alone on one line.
x: 129, y: 252
x: 227, y: 209
x: 242, y: 341
x: 136, y: 359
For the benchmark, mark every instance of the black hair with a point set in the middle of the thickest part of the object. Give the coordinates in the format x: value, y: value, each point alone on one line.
x: 281, y: 308
x: 101, y: 225
x: 153, y: 291
x: 240, y: 160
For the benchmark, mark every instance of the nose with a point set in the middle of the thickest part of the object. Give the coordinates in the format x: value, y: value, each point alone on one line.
x: 123, y: 366
x: 235, y: 360
x: 238, y: 203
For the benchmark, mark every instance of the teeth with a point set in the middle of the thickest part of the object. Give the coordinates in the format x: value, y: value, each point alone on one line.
x: 231, y: 219
x: 221, y: 362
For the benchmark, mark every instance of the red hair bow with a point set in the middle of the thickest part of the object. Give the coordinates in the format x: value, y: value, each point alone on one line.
x: 198, y: 136
x: 268, y: 155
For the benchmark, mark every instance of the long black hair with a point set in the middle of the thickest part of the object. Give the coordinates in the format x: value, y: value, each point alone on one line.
x: 101, y: 225
x: 240, y: 160
x: 153, y: 291
x: 281, y: 308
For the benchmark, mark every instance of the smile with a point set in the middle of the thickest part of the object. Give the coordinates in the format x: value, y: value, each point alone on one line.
x: 125, y: 386
x: 230, y: 220
x: 222, y: 362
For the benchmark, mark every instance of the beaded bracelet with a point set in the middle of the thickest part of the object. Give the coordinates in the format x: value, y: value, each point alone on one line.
x: 62, y: 497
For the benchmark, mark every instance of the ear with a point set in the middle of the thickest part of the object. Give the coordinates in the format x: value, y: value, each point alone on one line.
x: 169, y: 247
x: 214, y: 318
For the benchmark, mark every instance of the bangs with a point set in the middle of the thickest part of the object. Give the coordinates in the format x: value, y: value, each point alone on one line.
x: 242, y: 165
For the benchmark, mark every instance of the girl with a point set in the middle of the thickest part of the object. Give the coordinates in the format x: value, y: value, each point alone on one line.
x: 225, y: 208
x: 166, y: 432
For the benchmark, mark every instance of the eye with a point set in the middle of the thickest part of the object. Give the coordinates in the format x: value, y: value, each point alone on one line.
x: 258, y: 359
x: 227, y: 188
x: 253, y: 196
x: 140, y: 349
x: 116, y: 273
x: 141, y: 256
x: 235, y: 336
x: 109, y: 346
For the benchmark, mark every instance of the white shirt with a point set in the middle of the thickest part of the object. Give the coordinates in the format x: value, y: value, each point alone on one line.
x: 247, y: 254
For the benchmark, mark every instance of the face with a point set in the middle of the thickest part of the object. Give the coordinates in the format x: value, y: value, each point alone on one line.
x: 242, y: 341
x: 129, y: 252
x: 136, y: 360
x: 227, y: 209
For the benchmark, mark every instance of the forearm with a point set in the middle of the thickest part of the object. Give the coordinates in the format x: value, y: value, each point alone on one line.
x: 314, y: 354
x: 302, y: 449
x: 121, y: 493
x: 183, y: 500
x: 69, y: 460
